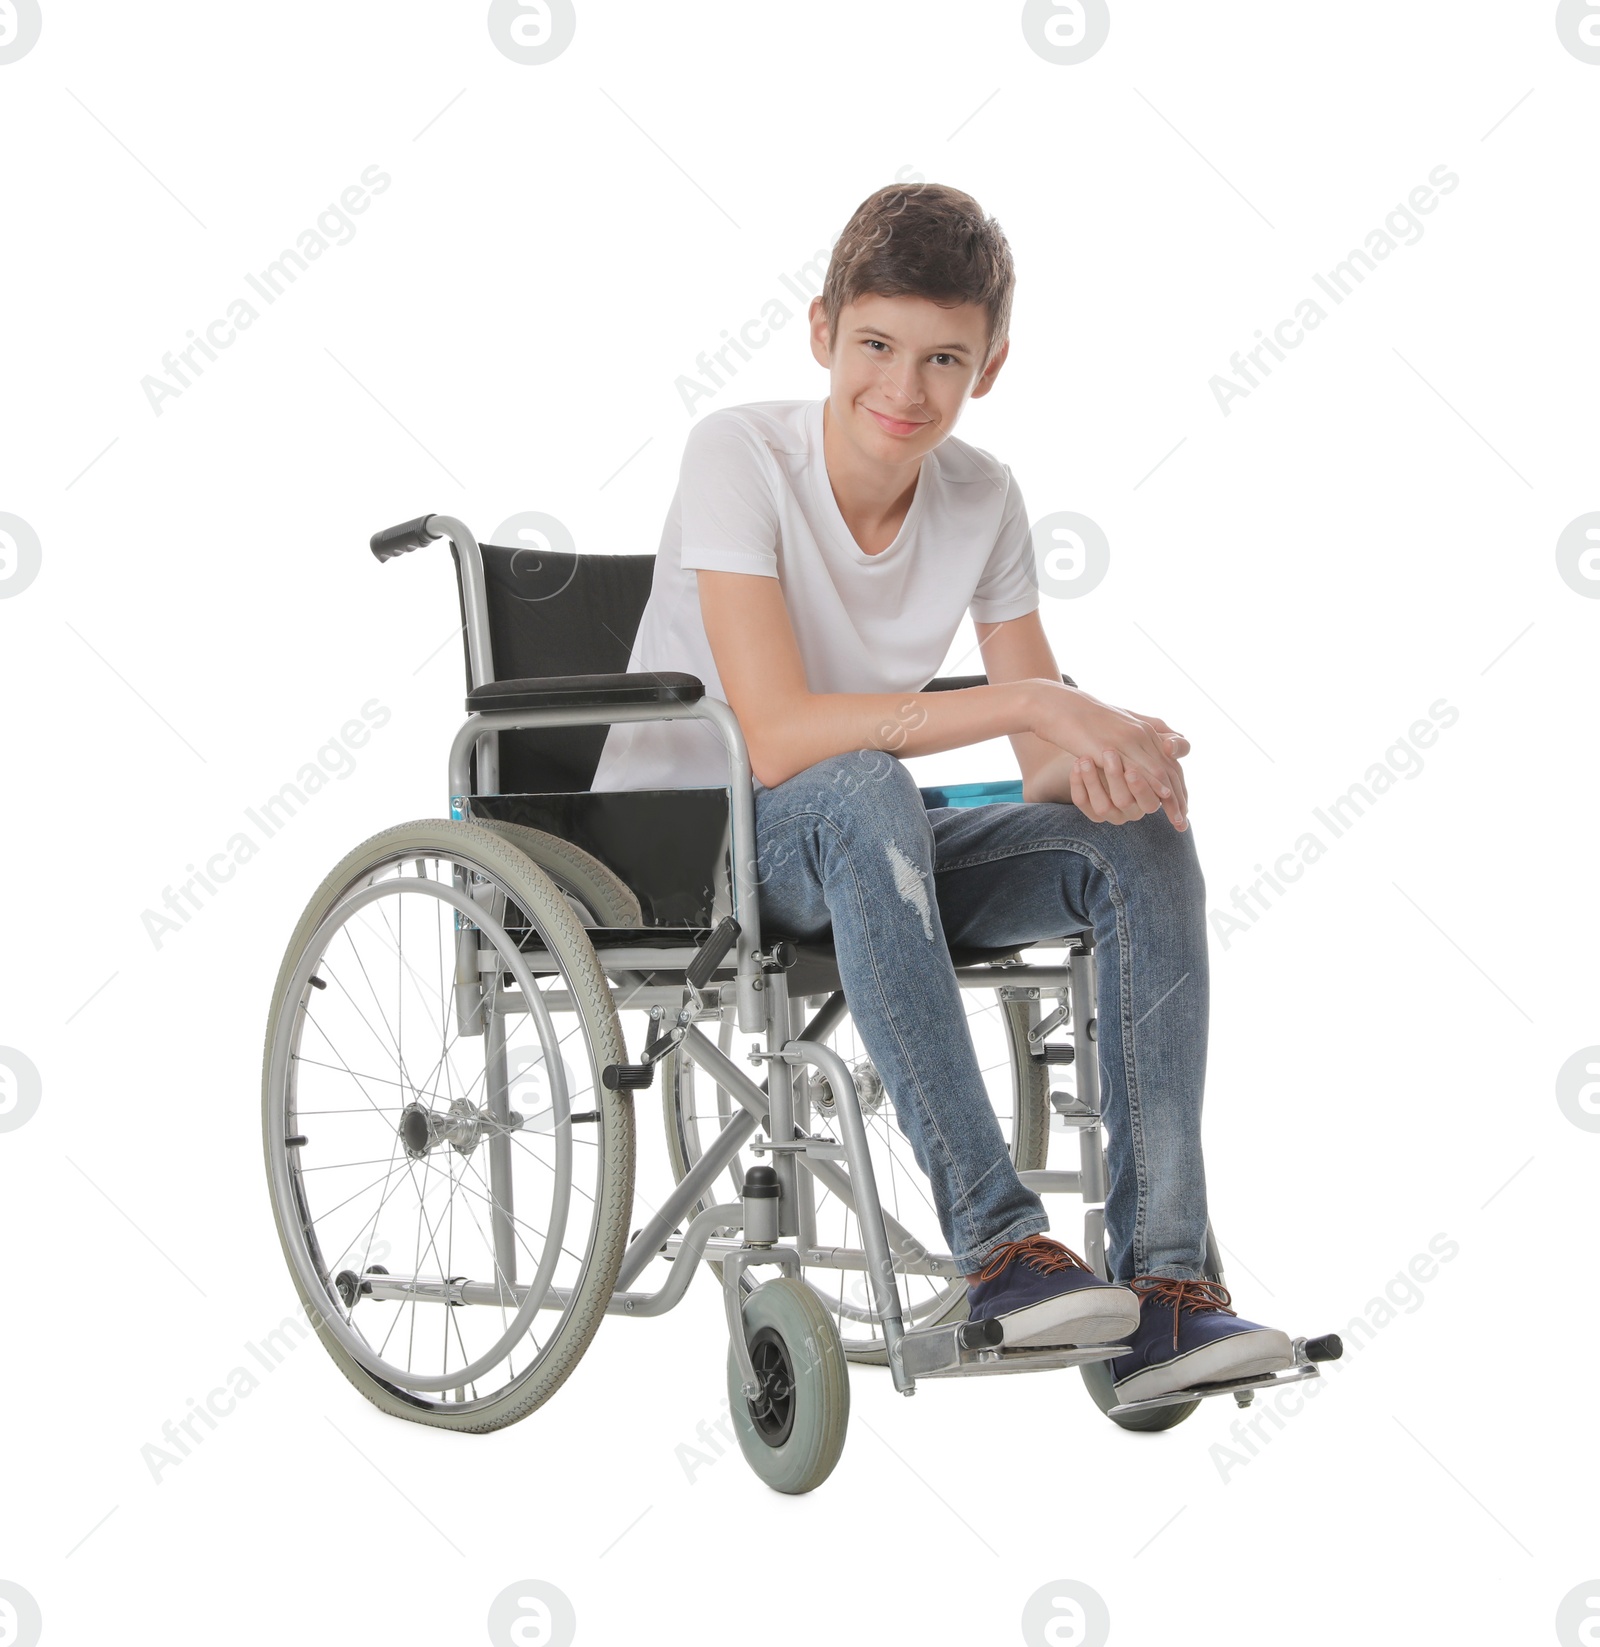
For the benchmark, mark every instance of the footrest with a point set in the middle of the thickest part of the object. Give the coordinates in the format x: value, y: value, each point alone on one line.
x: 823, y: 1148
x: 965, y: 1349
x: 1073, y: 1111
x: 1307, y: 1352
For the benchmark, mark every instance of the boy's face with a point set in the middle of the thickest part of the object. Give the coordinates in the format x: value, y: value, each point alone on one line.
x: 901, y: 369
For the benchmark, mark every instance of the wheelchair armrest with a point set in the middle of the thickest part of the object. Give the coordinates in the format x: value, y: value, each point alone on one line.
x: 584, y: 692
x: 959, y: 683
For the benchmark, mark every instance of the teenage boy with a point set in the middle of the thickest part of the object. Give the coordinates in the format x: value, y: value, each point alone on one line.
x: 816, y: 563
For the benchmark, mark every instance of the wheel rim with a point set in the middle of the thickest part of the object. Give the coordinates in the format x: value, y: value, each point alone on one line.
x: 416, y: 1134
x: 772, y: 1411
x: 703, y: 1109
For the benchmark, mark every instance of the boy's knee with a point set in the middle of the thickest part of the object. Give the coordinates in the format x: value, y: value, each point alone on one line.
x: 1171, y: 855
x: 867, y: 784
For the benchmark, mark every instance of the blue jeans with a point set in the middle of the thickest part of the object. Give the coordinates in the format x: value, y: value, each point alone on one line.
x: 848, y: 846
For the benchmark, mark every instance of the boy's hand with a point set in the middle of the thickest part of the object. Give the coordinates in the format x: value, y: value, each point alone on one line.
x: 1114, y: 793
x: 1120, y: 766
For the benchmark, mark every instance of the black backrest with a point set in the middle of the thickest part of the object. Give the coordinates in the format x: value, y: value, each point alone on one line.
x: 555, y: 613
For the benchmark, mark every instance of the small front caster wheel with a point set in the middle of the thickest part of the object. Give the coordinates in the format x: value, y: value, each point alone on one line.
x: 1097, y: 1376
x: 793, y: 1432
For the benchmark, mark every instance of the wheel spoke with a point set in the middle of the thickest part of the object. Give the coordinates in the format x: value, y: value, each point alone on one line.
x: 341, y: 1069
x: 373, y: 989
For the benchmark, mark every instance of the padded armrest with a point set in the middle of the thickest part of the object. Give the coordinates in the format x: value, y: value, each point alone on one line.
x: 584, y: 692
x: 959, y: 683
x: 603, y: 691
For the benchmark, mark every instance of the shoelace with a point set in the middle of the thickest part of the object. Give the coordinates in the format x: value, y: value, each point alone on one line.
x: 1039, y: 1252
x: 1193, y: 1296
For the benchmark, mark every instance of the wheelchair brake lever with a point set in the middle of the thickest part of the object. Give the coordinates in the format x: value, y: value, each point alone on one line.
x: 627, y: 1077
x: 709, y: 956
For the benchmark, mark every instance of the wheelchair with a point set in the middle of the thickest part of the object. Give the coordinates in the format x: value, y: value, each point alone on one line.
x: 447, y: 1106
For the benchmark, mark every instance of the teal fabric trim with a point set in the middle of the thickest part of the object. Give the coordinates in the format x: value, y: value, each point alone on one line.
x: 973, y: 794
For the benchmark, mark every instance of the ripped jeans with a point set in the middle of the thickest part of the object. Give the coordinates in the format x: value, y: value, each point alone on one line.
x: 849, y: 846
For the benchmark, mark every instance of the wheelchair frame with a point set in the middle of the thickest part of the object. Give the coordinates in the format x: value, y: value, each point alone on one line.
x: 956, y: 1349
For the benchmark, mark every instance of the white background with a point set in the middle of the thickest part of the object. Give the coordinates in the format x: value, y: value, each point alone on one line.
x: 1292, y: 585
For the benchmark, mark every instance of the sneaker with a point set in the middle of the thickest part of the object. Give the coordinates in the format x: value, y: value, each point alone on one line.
x: 1187, y: 1335
x: 1043, y: 1293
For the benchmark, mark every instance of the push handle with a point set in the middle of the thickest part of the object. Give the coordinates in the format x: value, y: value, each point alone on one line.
x: 401, y: 540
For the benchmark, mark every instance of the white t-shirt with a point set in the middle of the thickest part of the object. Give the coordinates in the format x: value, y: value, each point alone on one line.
x: 754, y: 496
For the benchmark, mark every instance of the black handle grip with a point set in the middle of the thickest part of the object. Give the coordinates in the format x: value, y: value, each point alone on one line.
x: 401, y: 540
x: 1330, y: 1347
x: 711, y: 952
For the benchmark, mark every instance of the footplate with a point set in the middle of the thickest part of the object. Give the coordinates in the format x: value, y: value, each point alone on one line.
x: 966, y: 1349
x: 1307, y: 1352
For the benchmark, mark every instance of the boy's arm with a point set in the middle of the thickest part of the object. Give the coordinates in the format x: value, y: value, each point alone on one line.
x: 1099, y: 781
x: 787, y: 727
x: 1019, y: 650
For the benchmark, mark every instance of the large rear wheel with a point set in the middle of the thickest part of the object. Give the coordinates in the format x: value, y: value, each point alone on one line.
x: 450, y: 1179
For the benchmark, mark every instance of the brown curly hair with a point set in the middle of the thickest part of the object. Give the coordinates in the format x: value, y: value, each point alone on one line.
x: 922, y: 240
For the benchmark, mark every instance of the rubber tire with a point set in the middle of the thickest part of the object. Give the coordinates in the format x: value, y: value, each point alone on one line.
x: 1097, y: 1377
x: 1032, y: 1123
x: 606, y: 896
x: 821, y: 1388
x: 542, y: 897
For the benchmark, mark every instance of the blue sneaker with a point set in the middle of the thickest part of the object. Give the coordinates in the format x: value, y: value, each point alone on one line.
x: 1043, y: 1293
x: 1187, y: 1335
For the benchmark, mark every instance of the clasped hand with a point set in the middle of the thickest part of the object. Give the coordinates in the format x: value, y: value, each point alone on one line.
x: 1113, y: 765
